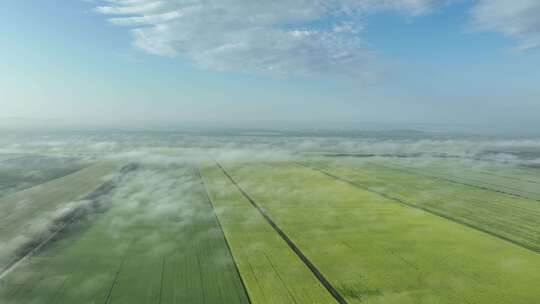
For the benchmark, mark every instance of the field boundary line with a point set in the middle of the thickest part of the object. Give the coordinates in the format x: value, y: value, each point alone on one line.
x: 450, y: 180
x: 16, y: 158
x: 407, y: 204
x: 335, y: 294
x: 103, y: 189
x: 209, y: 200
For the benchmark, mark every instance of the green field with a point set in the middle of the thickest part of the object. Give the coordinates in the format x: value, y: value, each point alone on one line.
x: 515, y: 218
x: 28, y: 216
x: 18, y: 172
x: 321, y: 230
x: 157, y: 245
x: 378, y: 251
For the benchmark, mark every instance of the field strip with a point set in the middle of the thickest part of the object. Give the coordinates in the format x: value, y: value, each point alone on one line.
x: 104, y: 189
x: 224, y: 237
x: 523, y: 179
x: 455, y: 180
x: 13, y: 265
x: 335, y: 294
x: 446, y: 179
x: 153, y: 242
x: 21, y: 173
x: 14, y: 157
x: 403, y: 202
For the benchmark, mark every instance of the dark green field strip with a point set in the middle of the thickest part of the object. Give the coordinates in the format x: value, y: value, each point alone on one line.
x: 33, y: 246
x: 375, y: 250
x: 158, y: 242
x: 430, y: 210
x: 29, y: 217
x: 335, y: 294
x: 24, y: 172
x: 223, y: 233
x: 508, y: 217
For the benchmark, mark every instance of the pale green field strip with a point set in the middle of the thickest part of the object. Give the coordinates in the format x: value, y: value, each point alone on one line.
x: 472, y: 177
x: 271, y: 271
x: 375, y: 250
x: 23, y: 172
x: 4, y: 157
x: 157, y: 242
x: 508, y: 217
x: 27, y: 215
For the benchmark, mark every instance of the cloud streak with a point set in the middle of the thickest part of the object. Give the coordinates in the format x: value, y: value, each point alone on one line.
x: 301, y: 37
x: 519, y: 19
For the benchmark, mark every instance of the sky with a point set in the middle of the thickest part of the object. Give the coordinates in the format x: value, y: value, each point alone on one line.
x: 246, y: 61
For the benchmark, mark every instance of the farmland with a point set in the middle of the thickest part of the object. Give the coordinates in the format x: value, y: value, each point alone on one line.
x: 204, y: 225
x: 134, y: 252
x: 492, y: 208
x: 18, y: 172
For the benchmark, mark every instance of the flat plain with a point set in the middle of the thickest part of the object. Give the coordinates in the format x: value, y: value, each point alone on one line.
x: 131, y: 251
x: 307, y: 230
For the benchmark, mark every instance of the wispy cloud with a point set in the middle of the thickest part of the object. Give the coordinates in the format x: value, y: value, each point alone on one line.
x: 518, y: 19
x: 278, y: 37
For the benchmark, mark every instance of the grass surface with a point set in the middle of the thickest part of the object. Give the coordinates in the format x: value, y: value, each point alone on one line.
x: 157, y: 242
x: 378, y: 251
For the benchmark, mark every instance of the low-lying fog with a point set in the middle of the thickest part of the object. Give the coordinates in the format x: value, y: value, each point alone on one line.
x: 160, y: 146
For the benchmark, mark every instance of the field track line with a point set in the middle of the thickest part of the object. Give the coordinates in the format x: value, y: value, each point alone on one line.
x: 450, y: 180
x: 335, y: 294
x: 402, y: 202
x: 115, y: 281
x: 162, y: 276
x: 100, y: 191
x: 224, y: 237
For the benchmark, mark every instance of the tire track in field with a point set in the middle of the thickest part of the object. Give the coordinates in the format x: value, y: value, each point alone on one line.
x: 35, y: 245
x: 224, y: 237
x: 115, y: 281
x: 407, y: 204
x: 162, y: 276
x: 335, y: 294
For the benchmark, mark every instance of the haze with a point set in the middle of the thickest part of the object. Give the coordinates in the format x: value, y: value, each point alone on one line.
x: 233, y: 62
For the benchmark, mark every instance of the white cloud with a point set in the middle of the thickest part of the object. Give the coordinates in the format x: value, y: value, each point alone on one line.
x: 278, y: 37
x: 513, y: 18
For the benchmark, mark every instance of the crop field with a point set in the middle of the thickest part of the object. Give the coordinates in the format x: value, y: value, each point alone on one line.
x: 489, y: 208
x: 378, y: 251
x: 131, y: 251
x: 186, y: 226
x: 18, y: 172
x: 27, y: 217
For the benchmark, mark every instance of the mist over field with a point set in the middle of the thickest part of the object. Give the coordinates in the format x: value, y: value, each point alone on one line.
x: 270, y: 152
x: 217, y: 199
x: 170, y: 146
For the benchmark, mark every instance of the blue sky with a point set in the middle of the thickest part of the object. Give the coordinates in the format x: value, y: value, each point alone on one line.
x: 400, y: 61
